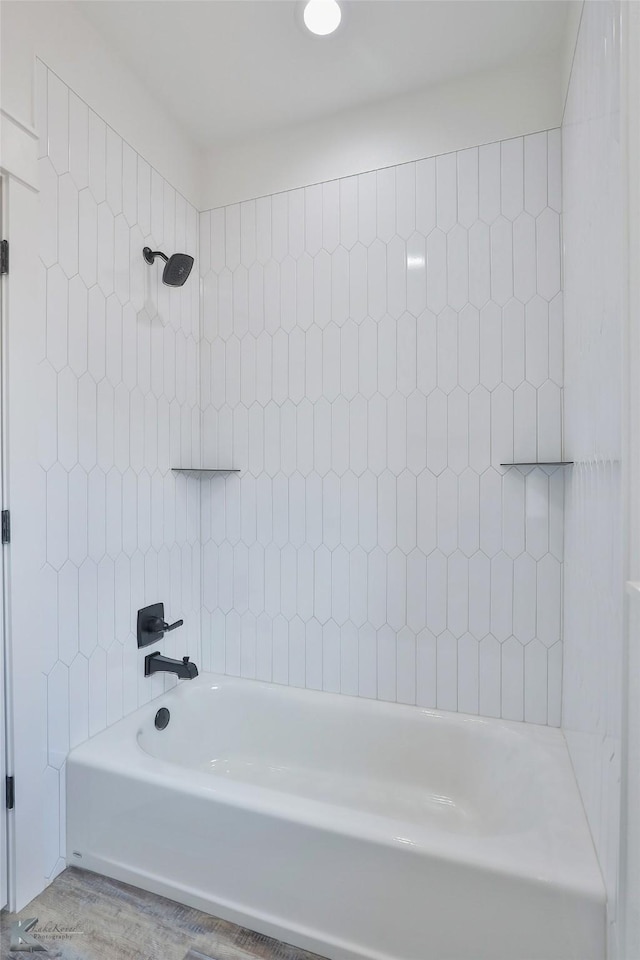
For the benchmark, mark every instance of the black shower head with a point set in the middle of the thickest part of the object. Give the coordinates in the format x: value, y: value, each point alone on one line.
x: 176, y: 268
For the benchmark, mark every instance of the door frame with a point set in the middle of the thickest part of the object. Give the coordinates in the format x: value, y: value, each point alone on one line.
x: 21, y: 492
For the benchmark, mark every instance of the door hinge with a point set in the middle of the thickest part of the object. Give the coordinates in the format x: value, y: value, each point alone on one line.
x: 11, y: 793
x: 4, y: 256
x: 5, y: 526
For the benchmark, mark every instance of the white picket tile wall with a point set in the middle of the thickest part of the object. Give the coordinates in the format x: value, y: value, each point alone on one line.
x: 593, y: 282
x: 367, y: 351
x: 372, y: 349
x: 119, y: 406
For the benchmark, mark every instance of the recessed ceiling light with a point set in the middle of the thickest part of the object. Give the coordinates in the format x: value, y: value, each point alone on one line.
x: 322, y: 16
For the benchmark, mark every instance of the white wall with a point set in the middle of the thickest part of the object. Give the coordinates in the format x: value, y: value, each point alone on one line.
x: 119, y: 406
x: 47, y: 672
x: 629, y: 891
x: 507, y: 102
x: 491, y: 106
x: 373, y: 348
x: 593, y: 288
x: 57, y: 33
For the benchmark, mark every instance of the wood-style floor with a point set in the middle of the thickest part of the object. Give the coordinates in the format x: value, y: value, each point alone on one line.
x: 107, y: 920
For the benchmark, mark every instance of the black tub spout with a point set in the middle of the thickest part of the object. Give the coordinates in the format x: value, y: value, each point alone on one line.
x: 157, y: 663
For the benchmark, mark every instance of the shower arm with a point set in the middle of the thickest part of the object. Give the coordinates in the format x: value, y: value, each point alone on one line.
x: 150, y: 255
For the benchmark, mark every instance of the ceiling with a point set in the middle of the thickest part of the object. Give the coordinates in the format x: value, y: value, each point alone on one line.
x: 228, y: 69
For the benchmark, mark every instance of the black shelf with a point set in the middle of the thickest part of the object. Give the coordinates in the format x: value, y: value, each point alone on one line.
x: 539, y: 463
x: 205, y: 471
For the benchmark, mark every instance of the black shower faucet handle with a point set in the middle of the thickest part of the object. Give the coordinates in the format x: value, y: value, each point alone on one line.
x: 156, y: 625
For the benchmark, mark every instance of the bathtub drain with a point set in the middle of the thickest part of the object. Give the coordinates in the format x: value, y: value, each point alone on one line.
x: 162, y: 718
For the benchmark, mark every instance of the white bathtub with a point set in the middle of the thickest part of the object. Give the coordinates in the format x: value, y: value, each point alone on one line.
x: 352, y: 828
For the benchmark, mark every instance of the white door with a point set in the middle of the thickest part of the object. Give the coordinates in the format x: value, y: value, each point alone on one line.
x: 4, y: 859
